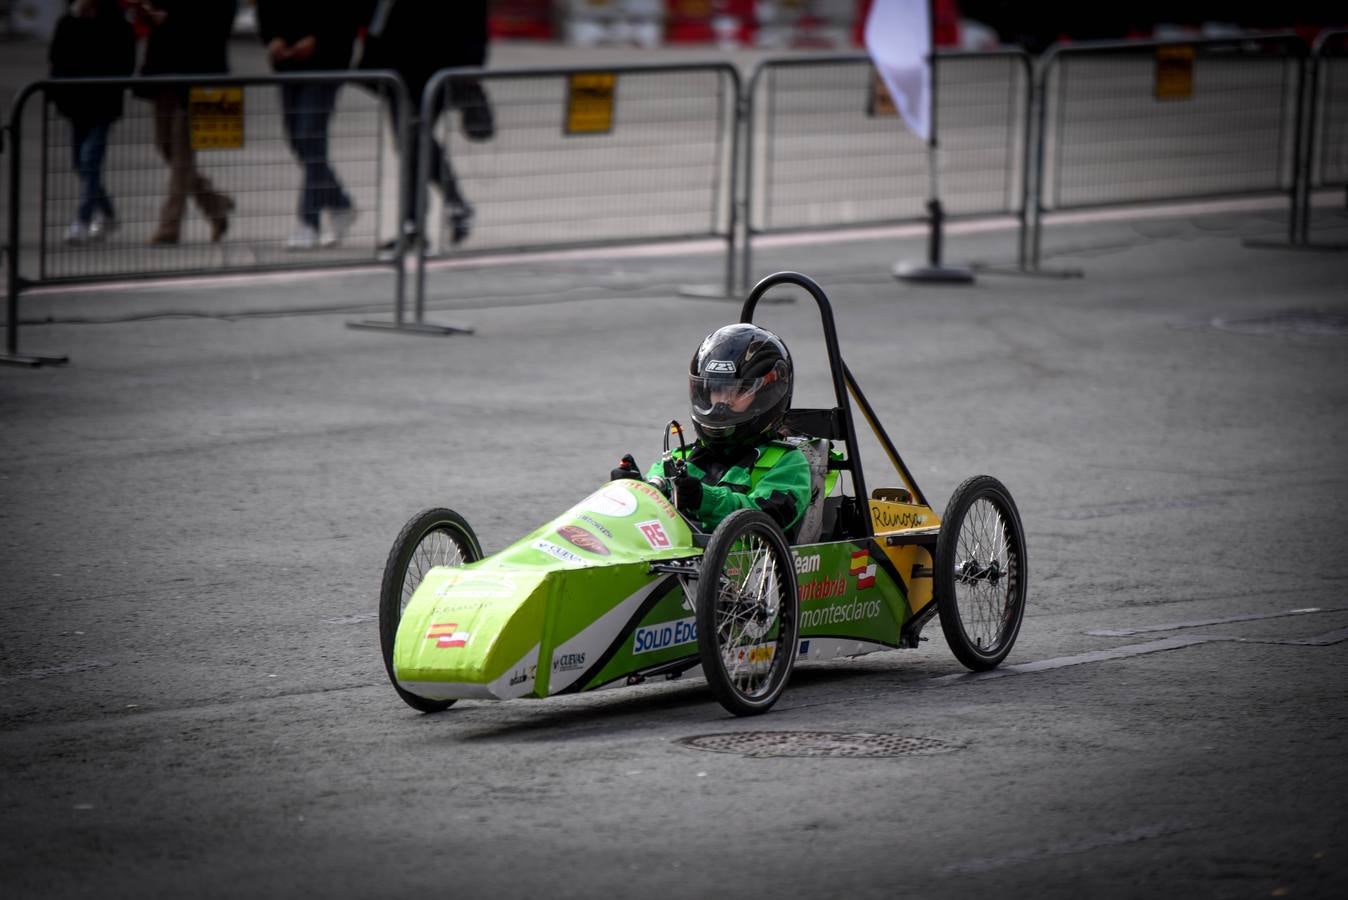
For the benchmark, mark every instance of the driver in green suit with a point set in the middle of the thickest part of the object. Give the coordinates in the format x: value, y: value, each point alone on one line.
x: 740, y: 382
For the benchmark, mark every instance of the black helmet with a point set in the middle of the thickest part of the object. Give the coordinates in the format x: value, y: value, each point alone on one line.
x: 740, y: 384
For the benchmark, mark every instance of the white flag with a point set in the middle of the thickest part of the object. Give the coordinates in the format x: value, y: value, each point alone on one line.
x: 898, y: 38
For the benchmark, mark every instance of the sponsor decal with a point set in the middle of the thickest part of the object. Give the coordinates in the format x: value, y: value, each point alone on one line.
x: 840, y: 613
x: 447, y: 635
x: 804, y: 647
x: 596, y: 525
x: 863, y: 569
x: 456, y: 607
x: 574, y: 534
x: 806, y: 564
x: 722, y: 366
x: 889, y: 518
x: 826, y: 589
x: 567, y: 662
x: 519, y: 676
x: 612, y: 500
x: 561, y: 553
x: 754, y: 655
x: 654, y: 533
x: 658, y: 498
x: 665, y: 635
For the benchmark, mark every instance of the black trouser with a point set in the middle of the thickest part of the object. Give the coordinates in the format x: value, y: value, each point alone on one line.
x: 441, y: 173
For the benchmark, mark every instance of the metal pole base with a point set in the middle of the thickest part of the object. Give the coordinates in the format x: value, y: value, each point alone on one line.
x: 411, y: 327
x: 929, y: 274
x: 31, y: 361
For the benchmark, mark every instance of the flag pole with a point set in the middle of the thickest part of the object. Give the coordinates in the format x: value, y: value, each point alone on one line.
x: 934, y: 270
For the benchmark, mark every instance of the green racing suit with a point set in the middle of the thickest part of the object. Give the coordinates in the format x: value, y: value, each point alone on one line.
x: 773, y: 477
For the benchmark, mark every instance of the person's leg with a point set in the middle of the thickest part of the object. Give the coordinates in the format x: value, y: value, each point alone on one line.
x: 94, y: 151
x: 174, y: 143
x: 294, y: 101
x: 326, y: 185
x: 80, y: 134
x: 214, y: 205
x: 411, y: 163
x: 458, y: 211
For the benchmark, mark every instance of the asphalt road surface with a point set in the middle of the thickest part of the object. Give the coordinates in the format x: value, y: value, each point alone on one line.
x: 196, y: 513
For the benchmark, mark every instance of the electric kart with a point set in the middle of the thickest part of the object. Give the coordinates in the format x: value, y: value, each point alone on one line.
x: 621, y: 588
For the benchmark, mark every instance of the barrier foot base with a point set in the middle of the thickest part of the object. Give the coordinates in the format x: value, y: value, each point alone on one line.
x: 1028, y: 273
x: 928, y: 274
x: 1258, y: 244
x: 410, y: 327
x: 32, y: 361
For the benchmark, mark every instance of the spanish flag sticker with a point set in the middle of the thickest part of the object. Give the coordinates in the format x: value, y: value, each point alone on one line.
x: 863, y: 569
x: 447, y: 634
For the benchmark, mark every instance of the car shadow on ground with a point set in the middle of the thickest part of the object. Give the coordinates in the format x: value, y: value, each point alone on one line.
x: 686, y: 700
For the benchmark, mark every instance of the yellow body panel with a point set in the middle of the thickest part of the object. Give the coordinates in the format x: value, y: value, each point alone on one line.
x: 913, y: 562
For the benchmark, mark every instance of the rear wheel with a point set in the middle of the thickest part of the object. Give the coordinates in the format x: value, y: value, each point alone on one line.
x: 434, y: 537
x: 748, y: 613
x: 980, y: 572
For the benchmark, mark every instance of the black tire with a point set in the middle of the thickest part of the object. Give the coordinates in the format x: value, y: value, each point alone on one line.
x: 981, y: 573
x: 434, y: 537
x: 747, y: 579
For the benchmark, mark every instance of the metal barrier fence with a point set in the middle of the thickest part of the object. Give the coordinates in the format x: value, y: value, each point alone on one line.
x: 245, y: 153
x: 578, y: 157
x: 1143, y: 121
x: 827, y: 150
x: 1326, y: 160
x: 539, y: 159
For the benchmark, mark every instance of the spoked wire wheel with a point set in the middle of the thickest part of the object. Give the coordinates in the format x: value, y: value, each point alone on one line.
x: 981, y: 572
x: 748, y: 612
x: 434, y: 537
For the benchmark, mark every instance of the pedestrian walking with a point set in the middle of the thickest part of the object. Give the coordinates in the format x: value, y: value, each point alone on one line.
x: 187, y: 37
x: 311, y: 35
x: 92, y: 39
x: 417, y: 38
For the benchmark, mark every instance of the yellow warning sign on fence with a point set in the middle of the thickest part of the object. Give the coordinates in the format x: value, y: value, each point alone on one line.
x: 1174, y: 73
x: 216, y: 115
x: 589, y: 102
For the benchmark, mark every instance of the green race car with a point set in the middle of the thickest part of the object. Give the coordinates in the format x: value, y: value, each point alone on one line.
x: 621, y: 588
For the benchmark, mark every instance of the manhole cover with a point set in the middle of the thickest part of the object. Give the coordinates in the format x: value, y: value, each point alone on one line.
x: 1292, y: 322
x: 818, y: 743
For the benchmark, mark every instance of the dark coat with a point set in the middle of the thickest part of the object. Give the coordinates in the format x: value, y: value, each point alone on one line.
x: 420, y: 37
x: 192, y: 40
x: 332, y: 23
x: 92, y: 46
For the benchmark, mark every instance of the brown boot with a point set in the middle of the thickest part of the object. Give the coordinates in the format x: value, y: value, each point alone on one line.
x: 164, y: 236
x: 220, y: 217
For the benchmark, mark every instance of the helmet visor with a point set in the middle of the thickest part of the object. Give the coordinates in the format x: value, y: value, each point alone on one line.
x: 722, y: 400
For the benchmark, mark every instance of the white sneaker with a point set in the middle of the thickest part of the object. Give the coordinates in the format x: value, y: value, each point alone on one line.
x: 77, y: 233
x: 304, y: 237
x: 101, y: 227
x: 340, y: 221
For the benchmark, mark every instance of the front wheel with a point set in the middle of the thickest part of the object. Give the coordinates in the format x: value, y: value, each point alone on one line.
x: 980, y: 574
x: 748, y: 612
x: 434, y: 537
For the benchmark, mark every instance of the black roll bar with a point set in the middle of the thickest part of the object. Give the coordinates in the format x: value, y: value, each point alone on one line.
x: 845, y: 389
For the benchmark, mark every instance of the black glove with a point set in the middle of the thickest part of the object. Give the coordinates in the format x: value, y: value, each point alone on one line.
x: 627, y: 468
x: 688, y: 492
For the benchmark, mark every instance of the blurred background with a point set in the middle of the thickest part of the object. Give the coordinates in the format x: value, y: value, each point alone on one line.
x: 824, y: 24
